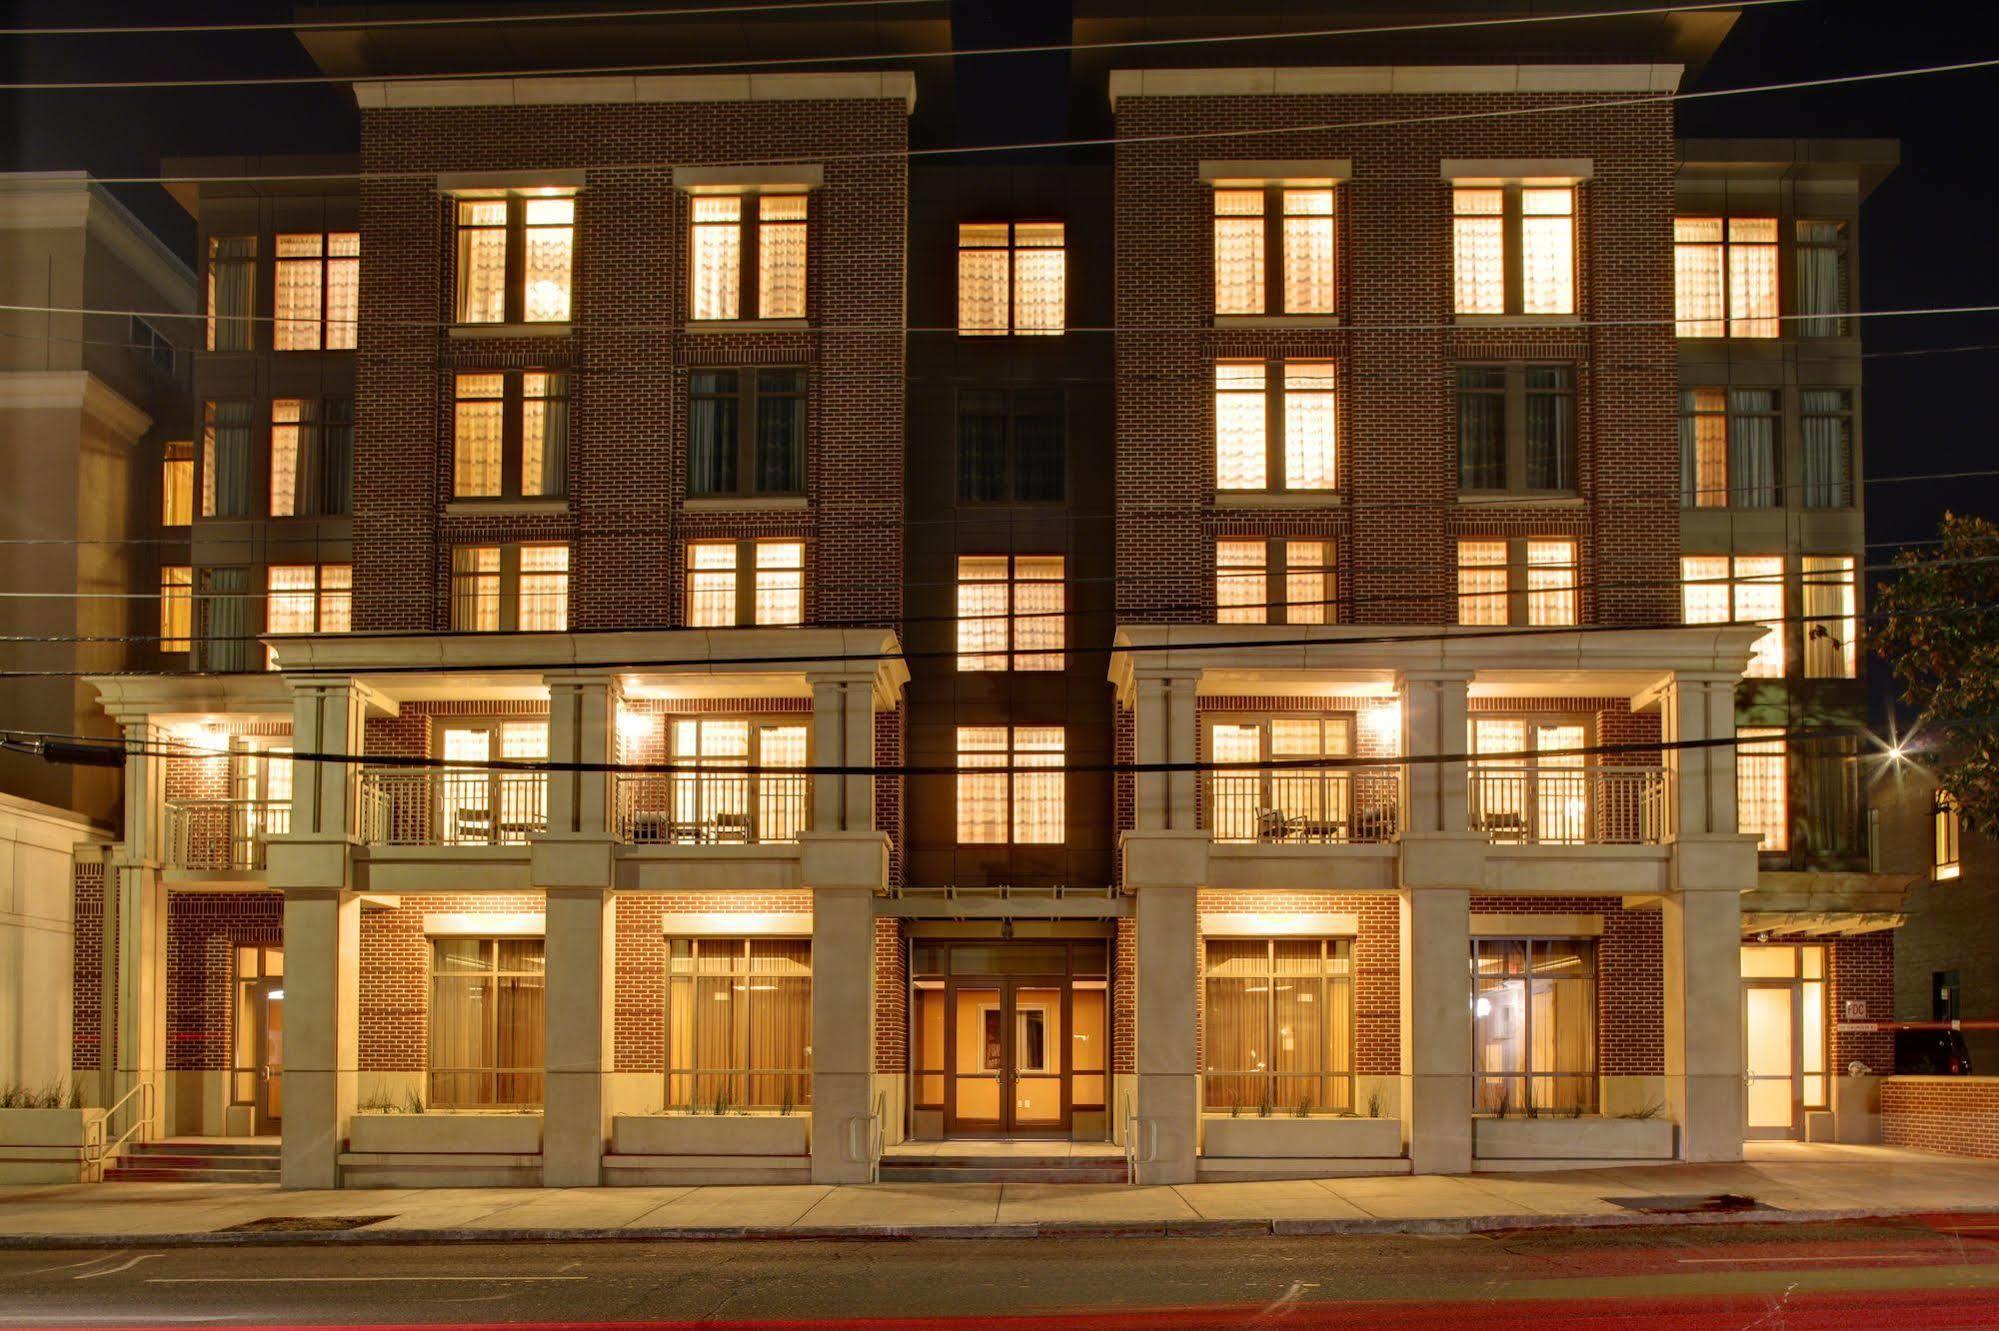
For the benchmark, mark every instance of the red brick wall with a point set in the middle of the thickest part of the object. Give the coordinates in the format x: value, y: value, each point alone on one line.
x: 87, y: 973
x: 1630, y: 984
x: 203, y: 932
x: 1862, y: 970
x: 1398, y: 527
x: 1124, y: 998
x: 395, y: 973
x: 1956, y: 1115
x: 891, y: 997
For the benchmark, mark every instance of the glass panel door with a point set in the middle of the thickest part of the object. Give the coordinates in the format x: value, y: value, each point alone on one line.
x: 1771, y: 1049
x: 978, y: 1060
x: 1038, y: 1042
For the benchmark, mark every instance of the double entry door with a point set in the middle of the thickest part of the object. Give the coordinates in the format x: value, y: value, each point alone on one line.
x: 1005, y: 1042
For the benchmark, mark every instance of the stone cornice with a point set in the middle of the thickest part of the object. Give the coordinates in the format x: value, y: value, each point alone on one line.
x: 1394, y: 79
x: 59, y: 201
x: 895, y: 84
x: 73, y: 390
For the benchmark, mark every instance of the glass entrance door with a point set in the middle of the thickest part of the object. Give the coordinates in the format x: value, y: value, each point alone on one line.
x: 257, y: 1080
x: 1008, y: 1072
x: 1772, y: 1073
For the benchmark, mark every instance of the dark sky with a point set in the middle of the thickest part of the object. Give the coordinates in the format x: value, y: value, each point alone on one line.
x: 1928, y: 234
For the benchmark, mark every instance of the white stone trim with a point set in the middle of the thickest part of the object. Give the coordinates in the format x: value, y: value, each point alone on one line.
x: 73, y: 390
x: 68, y: 200
x: 1228, y: 924
x: 1516, y: 170
x: 894, y: 84
x: 1536, y: 926
x: 509, y: 182
x: 1394, y: 79
x: 462, y: 924
x: 748, y: 179
x: 731, y: 924
x: 1330, y: 170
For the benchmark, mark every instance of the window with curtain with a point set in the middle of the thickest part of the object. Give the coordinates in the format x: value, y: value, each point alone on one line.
x: 495, y: 286
x: 1489, y: 222
x: 1725, y: 276
x: 1762, y: 787
x: 757, y: 582
x: 232, y: 292
x: 1527, y: 785
x: 1739, y: 589
x: 293, y: 422
x: 1518, y: 580
x: 711, y: 804
x: 510, y: 588
x: 1276, y: 425
x: 510, y: 435
x: 480, y: 805
x: 1012, y: 278
x: 312, y: 456
x: 1277, y: 1025
x: 1729, y: 455
x: 1012, y: 445
x: 1010, y: 785
x: 1482, y: 582
x: 746, y: 432
x: 1533, y: 1025
x: 1831, y: 619
x: 488, y: 1023
x: 1274, y: 580
x: 176, y: 608
x: 225, y: 459
x: 1821, y: 294
x: 747, y: 256
x: 223, y: 608
x: 1292, y: 225
x: 738, y: 1024
x: 1825, y: 429
x: 1283, y: 803
x: 177, y: 484
x: 1011, y: 612
x: 307, y: 598
x: 317, y: 289
x: 336, y: 456
x: 1946, y: 860
x: 544, y: 588
x: 1516, y: 428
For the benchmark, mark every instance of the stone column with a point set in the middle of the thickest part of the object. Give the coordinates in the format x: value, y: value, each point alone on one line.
x: 1702, y: 965
x: 843, y: 735
x: 843, y: 1024
x: 329, y: 716
x: 1165, y: 730
x: 581, y: 958
x: 1436, y: 1029
x: 132, y: 1027
x: 322, y: 1032
x: 1169, y: 1084
x: 1436, y: 713
x: 583, y: 729
x: 1694, y: 707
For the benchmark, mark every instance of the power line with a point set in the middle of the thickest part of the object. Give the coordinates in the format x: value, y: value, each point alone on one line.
x: 501, y: 19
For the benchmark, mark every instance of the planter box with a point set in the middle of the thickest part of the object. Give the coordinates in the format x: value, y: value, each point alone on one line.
x: 709, y: 1134
x: 1572, y: 1138
x: 1302, y: 1138
x: 445, y: 1134
x: 51, y: 1145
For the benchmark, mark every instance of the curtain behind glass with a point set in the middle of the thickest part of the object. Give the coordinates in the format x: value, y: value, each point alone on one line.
x: 226, y: 461
x: 225, y: 617
x: 982, y: 446
x: 1039, y: 463
x: 232, y: 278
x: 336, y: 457
x: 780, y: 442
x: 1819, y: 264
x: 1752, y: 448
x: 1481, y: 428
x: 711, y: 432
x: 1823, y: 423
x: 1551, y: 429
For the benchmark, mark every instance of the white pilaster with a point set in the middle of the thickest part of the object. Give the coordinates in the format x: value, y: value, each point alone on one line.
x: 1702, y: 965
x: 843, y: 1024
x: 322, y: 1032
x: 582, y: 729
x: 1694, y: 708
x: 581, y: 958
x: 1165, y: 729
x: 1169, y: 1085
x: 843, y: 735
x: 1436, y: 713
x: 1436, y: 1028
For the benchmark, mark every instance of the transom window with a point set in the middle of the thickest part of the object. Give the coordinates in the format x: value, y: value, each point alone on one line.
x: 1516, y: 428
x: 1274, y: 580
x: 488, y: 1023
x: 1012, y: 278
x: 1518, y: 581
x: 746, y: 432
x: 1277, y: 1027
x: 312, y: 456
x: 510, y: 435
x: 1514, y: 249
x: 1533, y: 1025
x: 738, y: 1024
x: 1011, y: 613
x: 744, y: 583
x: 317, y: 291
x: 1275, y: 238
x: 1762, y: 787
x: 1012, y: 445
x: 509, y: 588
x: 1276, y: 425
x: 1725, y: 276
x: 308, y: 598
x: 232, y: 292
x: 748, y: 256
x: 1723, y: 589
x: 1010, y: 785
x: 516, y: 253
x: 1728, y: 448
x: 1832, y: 624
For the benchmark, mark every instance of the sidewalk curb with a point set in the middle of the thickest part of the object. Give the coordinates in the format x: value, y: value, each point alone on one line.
x: 1211, y: 1229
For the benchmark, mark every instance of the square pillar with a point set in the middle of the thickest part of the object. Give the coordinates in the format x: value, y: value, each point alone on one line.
x: 1169, y: 1083
x: 132, y: 1029
x: 1694, y: 707
x: 1165, y: 730
x: 322, y: 1032
x: 329, y: 715
x: 1702, y: 966
x: 843, y: 736
x: 581, y: 959
x: 1436, y: 1028
x: 1436, y: 712
x: 582, y: 728
x: 843, y: 1033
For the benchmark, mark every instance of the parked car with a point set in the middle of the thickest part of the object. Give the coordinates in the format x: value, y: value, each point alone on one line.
x: 1932, y: 1054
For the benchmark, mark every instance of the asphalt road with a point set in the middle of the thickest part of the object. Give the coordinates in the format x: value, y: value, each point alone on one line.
x: 1937, y: 1272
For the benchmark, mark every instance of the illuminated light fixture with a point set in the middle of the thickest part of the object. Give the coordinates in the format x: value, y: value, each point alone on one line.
x: 1484, y: 1007
x: 1383, y: 725
x: 637, y: 727
x: 276, y: 996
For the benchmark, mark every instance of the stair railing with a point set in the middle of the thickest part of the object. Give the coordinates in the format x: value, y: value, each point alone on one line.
x: 145, y: 1114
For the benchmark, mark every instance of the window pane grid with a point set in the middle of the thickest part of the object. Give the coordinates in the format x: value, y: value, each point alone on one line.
x: 1482, y: 589
x: 1534, y: 1026
x: 739, y: 1024
x: 1277, y: 1025
x: 1011, y: 785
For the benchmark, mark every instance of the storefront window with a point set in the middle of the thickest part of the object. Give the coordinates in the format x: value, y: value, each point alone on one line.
x: 739, y: 1024
x: 1277, y: 1032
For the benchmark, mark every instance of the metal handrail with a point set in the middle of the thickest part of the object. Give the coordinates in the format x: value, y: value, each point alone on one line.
x: 147, y: 1095
x: 878, y: 1137
x: 1131, y: 1123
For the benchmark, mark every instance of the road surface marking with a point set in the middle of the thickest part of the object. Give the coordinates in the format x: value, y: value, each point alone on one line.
x: 114, y: 1270
x: 329, y: 1280
x: 1844, y: 1257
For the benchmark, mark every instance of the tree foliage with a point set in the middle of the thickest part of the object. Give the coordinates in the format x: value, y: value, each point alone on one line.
x: 1940, y: 636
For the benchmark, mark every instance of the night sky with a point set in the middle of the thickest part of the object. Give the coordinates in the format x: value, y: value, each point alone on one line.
x: 1927, y: 233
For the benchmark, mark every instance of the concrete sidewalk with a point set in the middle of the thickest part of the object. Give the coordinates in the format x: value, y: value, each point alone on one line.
x: 1788, y: 1181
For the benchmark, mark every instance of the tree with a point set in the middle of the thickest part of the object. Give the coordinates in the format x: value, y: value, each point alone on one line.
x: 1940, y: 637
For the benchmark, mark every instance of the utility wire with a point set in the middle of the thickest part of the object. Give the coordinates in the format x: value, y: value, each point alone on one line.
x: 503, y: 18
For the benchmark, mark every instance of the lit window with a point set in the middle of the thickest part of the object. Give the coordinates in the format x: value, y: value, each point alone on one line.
x: 285, y: 420
x: 225, y: 626
x: 488, y: 1023
x: 745, y: 432
x: 1551, y: 583
x: 544, y: 588
x: 747, y: 256
x: 1010, y: 785
x: 1725, y: 276
x: 709, y: 799
x: 1516, y: 428
x: 1729, y: 448
x: 1944, y: 822
x: 504, y: 588
x: 1821, y: 295
x: 1287, y: 803
x: 317, y: 289
x: 1529, y: 581
x: 543, y: 229
x: 510, y: 435
x: 1304, y: 220
x: 725, y: 577
x: 475, y: 588
x: 1482, y: 591
x: 176, y: 608
x: 1282, y: 580
x: 1489, y: 219
x: 1012, y: 278
x: 232, y: 287
x: 1277, y: 1025
x: 1010, y: 612
x: 308, y: 598
x: 478, y: 429
x: 1718, y: 589
x: 1831, y: 620
x: 1527, y: 786
x: 1762, y: 787
x: 312, y: 450
x: 177, y: 484
x: 225, y: 459
x: 1297, y: 401
x: 739, y: 1024
x: 1533, y: 1007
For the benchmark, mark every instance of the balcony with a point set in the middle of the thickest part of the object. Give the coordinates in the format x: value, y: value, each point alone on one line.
x: 711, y: 809
x: 416, y: 807
x: 1348, y: 806
x: 1569, y: 806
x: 223, y: 836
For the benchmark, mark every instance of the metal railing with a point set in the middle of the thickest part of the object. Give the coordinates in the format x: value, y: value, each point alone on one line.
x: 711, y: 808
x: 405, y: 807
x: 223, y: 834
x: 145, y: 1114
x: 1344, y: 806
x: 1569, y: 806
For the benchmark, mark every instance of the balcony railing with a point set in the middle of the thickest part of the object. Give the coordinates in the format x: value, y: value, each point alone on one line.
x: 711, y: 809
x: 223, y: 834
x: 407, y: 807
x: 1569, y: 806
x: 1345, y: 806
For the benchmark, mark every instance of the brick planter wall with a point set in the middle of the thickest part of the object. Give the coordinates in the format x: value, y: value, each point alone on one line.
x: 1955, y: 1115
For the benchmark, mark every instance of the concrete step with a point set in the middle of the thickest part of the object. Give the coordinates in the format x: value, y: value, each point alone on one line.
x: 216, y: 1147
x: 122, y: 1173
x: 974, y: 1169
x: 232, y: 1164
